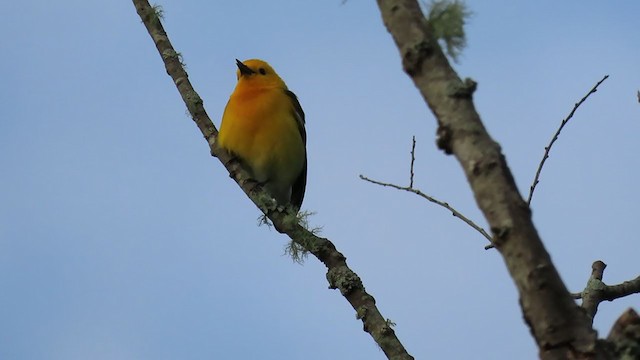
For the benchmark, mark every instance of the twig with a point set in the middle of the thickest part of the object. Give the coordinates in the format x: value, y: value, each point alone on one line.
x: 413, y: 160
x: 597, y: 291
x: 339, y: 275
x: 547, y: 149
x: 445, y: 205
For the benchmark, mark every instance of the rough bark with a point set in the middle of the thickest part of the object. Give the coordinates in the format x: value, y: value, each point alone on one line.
x: 339, y: 275
x: 625, y: 336
x: 560, y: 328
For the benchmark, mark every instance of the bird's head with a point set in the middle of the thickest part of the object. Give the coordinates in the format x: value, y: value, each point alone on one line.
x: 258, y: 73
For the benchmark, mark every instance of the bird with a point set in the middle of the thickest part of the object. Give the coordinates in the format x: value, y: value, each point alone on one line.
x: 263, y: 125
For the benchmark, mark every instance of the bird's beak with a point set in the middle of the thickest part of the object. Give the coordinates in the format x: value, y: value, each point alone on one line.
x: 244, y: 69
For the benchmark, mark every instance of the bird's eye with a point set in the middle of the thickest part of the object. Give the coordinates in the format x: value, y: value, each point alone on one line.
x: 262, y: 71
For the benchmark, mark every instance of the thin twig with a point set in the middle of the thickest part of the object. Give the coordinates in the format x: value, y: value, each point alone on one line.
x: 413, y: 160
x: 547, y: 149
x: 445, y: 205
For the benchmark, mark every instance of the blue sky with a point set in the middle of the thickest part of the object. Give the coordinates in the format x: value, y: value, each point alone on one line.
x: 121, y: 238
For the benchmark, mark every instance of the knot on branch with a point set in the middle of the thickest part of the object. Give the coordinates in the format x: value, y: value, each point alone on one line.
x: 479, y: 168
x: 500, y: 235
x: 193, y: 101
x: 462, y: 89
x: 443, y: 139
x: 593, y: 286
x: 539, y: 276
x: 387, y: 328
x: 344, y: 279
x: 413, y: 55
x: 361, y: 312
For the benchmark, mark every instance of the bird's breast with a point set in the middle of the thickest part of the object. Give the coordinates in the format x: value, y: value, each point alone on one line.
x: 259, y: 127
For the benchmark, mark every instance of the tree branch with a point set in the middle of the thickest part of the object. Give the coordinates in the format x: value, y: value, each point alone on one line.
x: 547, y: 149
x: 561, y: 329
x: 445, y: 205
x: 413, y: 160
x: 339, y: 275
x: 597, y: 291
x: 625, y: 336
x: 430, y: 198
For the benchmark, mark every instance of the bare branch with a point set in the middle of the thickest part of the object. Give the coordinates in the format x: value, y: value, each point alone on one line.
x: 547, y: 149
x: 621, y: 290
x: 413, y: 160
x: 597, y: 291
x: 445, y: 205
x: 430, y: 198
x: 339, y: 275
x: 561, y: 329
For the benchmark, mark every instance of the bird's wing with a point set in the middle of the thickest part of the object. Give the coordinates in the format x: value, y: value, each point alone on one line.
x: 299, y: 186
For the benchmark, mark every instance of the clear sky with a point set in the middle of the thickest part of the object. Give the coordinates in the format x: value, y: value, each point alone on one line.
x: 121, y: 238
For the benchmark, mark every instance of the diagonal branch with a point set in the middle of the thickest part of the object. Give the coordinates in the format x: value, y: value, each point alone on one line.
x: 445, y: 205
x: 430, y: 198
x: 339, y: 275
x: 561, y: 329
x: 547, y: 149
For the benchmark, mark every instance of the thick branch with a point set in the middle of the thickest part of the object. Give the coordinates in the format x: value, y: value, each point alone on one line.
x: 339, y: 275
x: 559, y: 326
x: 621, y: 290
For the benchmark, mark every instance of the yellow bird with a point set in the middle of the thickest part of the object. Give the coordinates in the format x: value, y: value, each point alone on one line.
x: 263, y: 125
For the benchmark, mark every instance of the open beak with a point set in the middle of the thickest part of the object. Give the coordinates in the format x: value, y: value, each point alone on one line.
x: 244, y: 69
